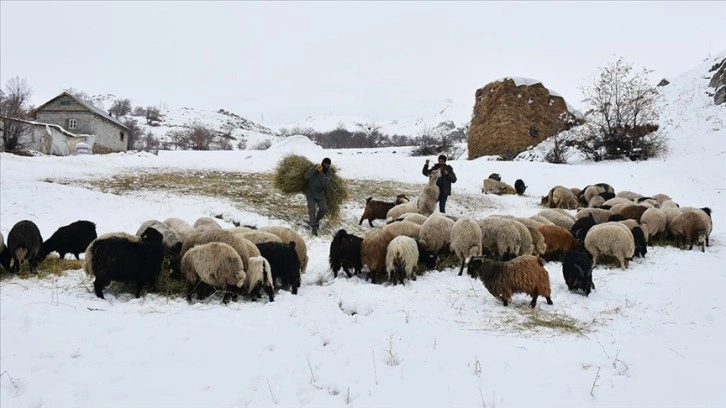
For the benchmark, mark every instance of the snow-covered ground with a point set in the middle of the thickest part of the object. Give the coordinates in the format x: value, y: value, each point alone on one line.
x: 653, y: 334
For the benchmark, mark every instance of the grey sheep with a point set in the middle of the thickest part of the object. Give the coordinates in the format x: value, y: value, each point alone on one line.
x: 559, y: 217
x: 690, y: 228
x: 524, y: 274
x: 613, y: 239
x: 466, y: 240
x: 182, y: 228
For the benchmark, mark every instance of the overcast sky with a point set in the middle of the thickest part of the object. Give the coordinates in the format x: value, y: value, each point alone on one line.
x: 377, y: 60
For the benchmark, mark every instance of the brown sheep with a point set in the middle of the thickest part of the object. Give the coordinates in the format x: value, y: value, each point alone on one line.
x: 377, y: 210
x: 633, y: 212
x: 557, y: 239
x: 690, y: 228
x: 524, y: 274
x: 373, y: 251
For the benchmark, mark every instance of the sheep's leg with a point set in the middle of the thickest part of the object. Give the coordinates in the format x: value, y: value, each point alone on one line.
x: 347, y: 272
x: 549, y: 300
x: 33, y: 263
x: 703, y: 247
x: 270, y: 293
x: 505, y: 301
x: 461, y: 270
x: 533, y: 303
x: 98, y: 288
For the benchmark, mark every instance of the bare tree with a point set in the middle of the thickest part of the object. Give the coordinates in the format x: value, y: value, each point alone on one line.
x: 135, y: 134
x: 622, y: 120
x: 153, y: 116
x: 139, y: 111
x: 149, y: 142
x: 121, y: 107
x: 14, y: 105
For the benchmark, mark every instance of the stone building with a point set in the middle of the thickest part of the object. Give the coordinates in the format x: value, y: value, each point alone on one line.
x: 79, y: 117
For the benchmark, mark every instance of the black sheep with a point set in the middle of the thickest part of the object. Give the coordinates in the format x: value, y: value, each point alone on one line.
x: 125, y: 259
x: 616, y: 217
x: 24, y: 241
x: 74, y: 238
x: 641, y: 246
x: 577, y: 270
x: 519, y: 186
x: 426, y: 257
x: 4, y: 256
x: 284, y: 263
x: 607, y: 195
x: 495, y: 176
x: 581, y: 226
x: 345, y: 253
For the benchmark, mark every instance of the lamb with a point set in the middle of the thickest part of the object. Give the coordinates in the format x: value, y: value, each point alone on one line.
x: 124, y: 257
x: 466, y: 240
x: 519, y: 187
x: 288, y: 234
x: 182, y: 228
x: 610, y: 239
x: 598, y: 214
x: 259, y: 276
x: 497, y: 187
x: 378, y: 210
x: 373, y: 251
x: 217, y: 265
x: 73, y: 238
x: 690, y: 228
x: 435, y: 234
x: 24, y: 242
x: 577, y: 271
x: 558, y: 217
x: 426, y: 203
x: 172, y: 241
x: 558, y: 240
x: 654, y: 222
x: 205, y: 223
x: 399, y: 210
x: 524, y: 274
x: 406, y: 228
x: 500, y: 238
x: 345, y: 252
x: 284, y: 264
x: 401, y: 259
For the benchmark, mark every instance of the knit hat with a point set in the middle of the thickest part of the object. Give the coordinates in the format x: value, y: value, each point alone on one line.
x: 442, y: 157
x: 326, y: 161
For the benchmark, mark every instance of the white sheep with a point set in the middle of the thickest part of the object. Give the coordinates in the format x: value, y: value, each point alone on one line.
x: 541, y: 220
x: 258, y: 237
x: 216, y: 264
x: 629, y: 195
x: 429, y: 195
x: 500, y: 237
x: 596, y: 202
x: 182, y: 228
x: 592, y: 191
x: 538, y: 241
x: 435, y: 233
x: 654, y: 222
x: 617, y: 200
x: 259, y: 276
x: 205, y: 223
x: 705, y: 214
x: 613, y: 239
x: 660, y: 197
x: 559, y: 217
x: 668, y: 204
x: 563, y: 198
x: 414, y: 218
x: 406, y: 228
x: 496, y: 187
x: 218, y: 235
x: 399, y: 210
x: 401, y: 259
x: 465, y: 240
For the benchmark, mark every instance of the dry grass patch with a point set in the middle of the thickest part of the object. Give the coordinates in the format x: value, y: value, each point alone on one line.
x: 50, y: 266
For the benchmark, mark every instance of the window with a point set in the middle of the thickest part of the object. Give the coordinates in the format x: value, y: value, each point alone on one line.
x: 72, y: 123
x: 122, y: 136
x: 65, y: 103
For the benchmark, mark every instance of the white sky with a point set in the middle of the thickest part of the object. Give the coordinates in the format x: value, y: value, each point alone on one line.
x: 288, y: 61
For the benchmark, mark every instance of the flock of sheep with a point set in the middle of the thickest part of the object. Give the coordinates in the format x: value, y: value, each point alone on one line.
x: 506, y: 253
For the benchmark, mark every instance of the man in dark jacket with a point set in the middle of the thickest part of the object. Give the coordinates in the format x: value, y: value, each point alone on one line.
x: 446, y: 177
x: 317, y: 177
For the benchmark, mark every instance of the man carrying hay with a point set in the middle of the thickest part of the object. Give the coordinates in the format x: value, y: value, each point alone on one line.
x: 317, y: 178
x: 445, y: 179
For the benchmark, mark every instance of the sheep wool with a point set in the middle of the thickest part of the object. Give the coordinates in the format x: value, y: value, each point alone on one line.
x: 373, y: 251
x: 287, y: 234
x: 690, y: 228
x: 653, y: 222
x: 558, y: 217
x: 406, y: 228
x: 491, y: 186
x: 399, y: 210
x: 429, y: 195
x: 172, y: 241
x: 500, y: 237
x: 524, y: 274
x: 435, y: 233
x: 613, y: 239
x: 205, y: 223
x: 259, y: 276
x: 182, y: 228
x: 401, y: 259
x: 216, y: 264
x: 465, y: 240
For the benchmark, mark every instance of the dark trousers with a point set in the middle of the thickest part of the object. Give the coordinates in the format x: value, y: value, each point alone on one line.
x: 442, y: 202
x: 322, y: 210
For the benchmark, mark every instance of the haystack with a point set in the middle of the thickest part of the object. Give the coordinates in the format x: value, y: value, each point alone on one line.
x: 290, y: 179
x: 508, y: 118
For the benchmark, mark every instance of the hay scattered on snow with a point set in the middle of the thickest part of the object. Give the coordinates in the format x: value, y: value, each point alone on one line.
x: 290, y: 179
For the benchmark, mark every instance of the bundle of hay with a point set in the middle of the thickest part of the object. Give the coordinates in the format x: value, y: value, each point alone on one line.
x: 290, y: 179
